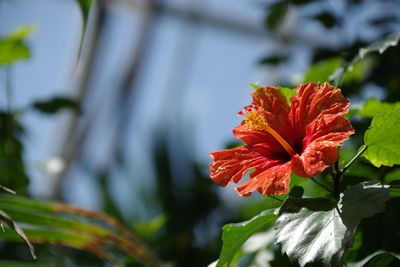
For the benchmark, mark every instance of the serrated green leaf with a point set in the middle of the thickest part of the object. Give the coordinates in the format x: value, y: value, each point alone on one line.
x: 373, y: 107
x: 317, y: 231
x: 383, y: 139
x: 234, y: 235
x: 287, y: 93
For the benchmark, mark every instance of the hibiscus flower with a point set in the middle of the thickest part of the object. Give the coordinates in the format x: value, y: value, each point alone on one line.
x: 280, y: 138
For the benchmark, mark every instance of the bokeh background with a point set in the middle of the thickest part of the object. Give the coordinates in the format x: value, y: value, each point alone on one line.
x: 159, y: 85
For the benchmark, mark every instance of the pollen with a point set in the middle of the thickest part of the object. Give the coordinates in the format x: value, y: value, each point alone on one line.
x: 253, y: 120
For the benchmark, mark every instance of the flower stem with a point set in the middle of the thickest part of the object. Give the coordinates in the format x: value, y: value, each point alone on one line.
x: 337, y: 173
x: 348, y: 165
x: 321, y: 185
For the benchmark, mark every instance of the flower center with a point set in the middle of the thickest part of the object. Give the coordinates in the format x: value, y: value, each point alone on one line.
x: 255, y: 121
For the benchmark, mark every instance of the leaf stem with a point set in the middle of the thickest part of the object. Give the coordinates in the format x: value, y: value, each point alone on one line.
x: 348, y: 165
x: 321, y: 185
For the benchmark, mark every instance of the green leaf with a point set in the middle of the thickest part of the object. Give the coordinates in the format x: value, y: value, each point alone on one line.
x: 320, y: 71
x: 234, y: 235
x: 21, y: 33
x: 5, y: 263
x: 57, y: 223
x: 380, y: 46
x: 11, y: 223
x: 373, y: 107
x: 287, y: 93
x: 311, y: 230
x: 255, y: 86
x: 85, y: 8
x: 12, y: 167
x: 13, y: 47
x: 383, y: 259
x: 56, y: 104
x: 357, y: 71
x: 151, y: 227
x: 392, y: 176
x: 383, y: 139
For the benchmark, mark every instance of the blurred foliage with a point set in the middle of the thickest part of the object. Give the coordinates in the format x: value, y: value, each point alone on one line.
x: 12, y: 172
x: 85, y: 8
x: 47, y: 222
x: 56, y: 104
x: 189, y: 202
x: 57, y: 223
x: 13, y: 47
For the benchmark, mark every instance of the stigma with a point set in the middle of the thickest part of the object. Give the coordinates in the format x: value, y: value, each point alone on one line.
x: 253, y: 120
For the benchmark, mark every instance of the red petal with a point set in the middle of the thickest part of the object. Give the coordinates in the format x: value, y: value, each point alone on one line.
x: 323, y: 135
x: 273, y: 181
x: 272, y: 105
x: 254, y: 138
x: 230, y: 165
x: 313, y: 101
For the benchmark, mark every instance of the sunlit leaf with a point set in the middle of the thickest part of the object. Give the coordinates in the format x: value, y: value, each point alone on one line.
x: 234, y: 235
x: 255, y: 86
x: 151, y: 227
x: 383, y: 139
x: 311, y: 230
x: 13, y: 47
x: 21, y: 33
x: 373, y: 107
x: 287, y: 93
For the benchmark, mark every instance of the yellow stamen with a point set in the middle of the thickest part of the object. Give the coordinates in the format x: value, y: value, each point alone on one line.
x: 255, y: 121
